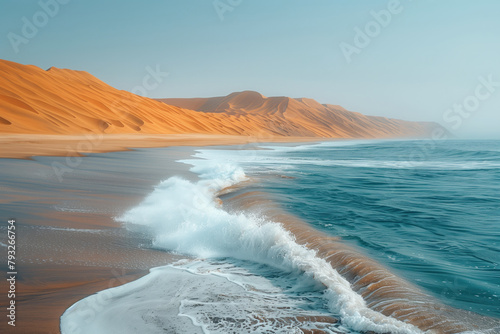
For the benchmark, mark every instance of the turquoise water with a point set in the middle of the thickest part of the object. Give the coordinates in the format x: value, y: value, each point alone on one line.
x: 428, y: 211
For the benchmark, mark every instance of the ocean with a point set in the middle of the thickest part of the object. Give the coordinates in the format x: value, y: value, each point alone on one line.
x: 350, y: 236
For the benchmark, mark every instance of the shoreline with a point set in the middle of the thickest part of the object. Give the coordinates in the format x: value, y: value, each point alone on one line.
x: 361, y: 271
x: 51, y: 208
x: 26, y: 146
x: 68, y: 244
x: 59, y: 284
x: 35, y: 155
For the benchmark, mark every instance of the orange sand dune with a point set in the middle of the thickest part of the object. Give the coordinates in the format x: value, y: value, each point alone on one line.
x: 60, y: 101
x: 284, y: 116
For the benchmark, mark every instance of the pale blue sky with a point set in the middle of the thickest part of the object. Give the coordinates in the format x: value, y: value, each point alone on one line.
x: 426, y: 59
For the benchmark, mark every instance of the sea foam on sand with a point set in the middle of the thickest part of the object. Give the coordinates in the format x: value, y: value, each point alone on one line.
x: 185, y: 217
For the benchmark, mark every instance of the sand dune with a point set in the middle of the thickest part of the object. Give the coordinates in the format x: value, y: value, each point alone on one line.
x: 284, y: 116
x: 60, y: 101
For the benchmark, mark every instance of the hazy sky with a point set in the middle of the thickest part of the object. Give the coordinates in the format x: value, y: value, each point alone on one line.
x: 417, y: 60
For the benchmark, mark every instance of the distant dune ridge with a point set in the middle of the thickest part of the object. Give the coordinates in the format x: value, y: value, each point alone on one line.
x: 284, y: 116
x: 61, y: 101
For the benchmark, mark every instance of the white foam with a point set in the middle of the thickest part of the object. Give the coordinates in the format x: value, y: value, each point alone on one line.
x: 74, y: 207
x: 185, y: 217
x: 278, y: 158
x: 329, y: 144
x: 136, y: 307
x: 68, y: 229
x: 195, y: 297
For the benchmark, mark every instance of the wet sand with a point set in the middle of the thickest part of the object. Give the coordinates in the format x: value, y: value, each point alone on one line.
x: 68, y: 244
x: 47, y: 290
x: 23, y: 146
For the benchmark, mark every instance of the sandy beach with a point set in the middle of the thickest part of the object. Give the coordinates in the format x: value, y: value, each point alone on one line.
x: 23, y: 146
x: 68, y: 244
x: 63, y: 191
